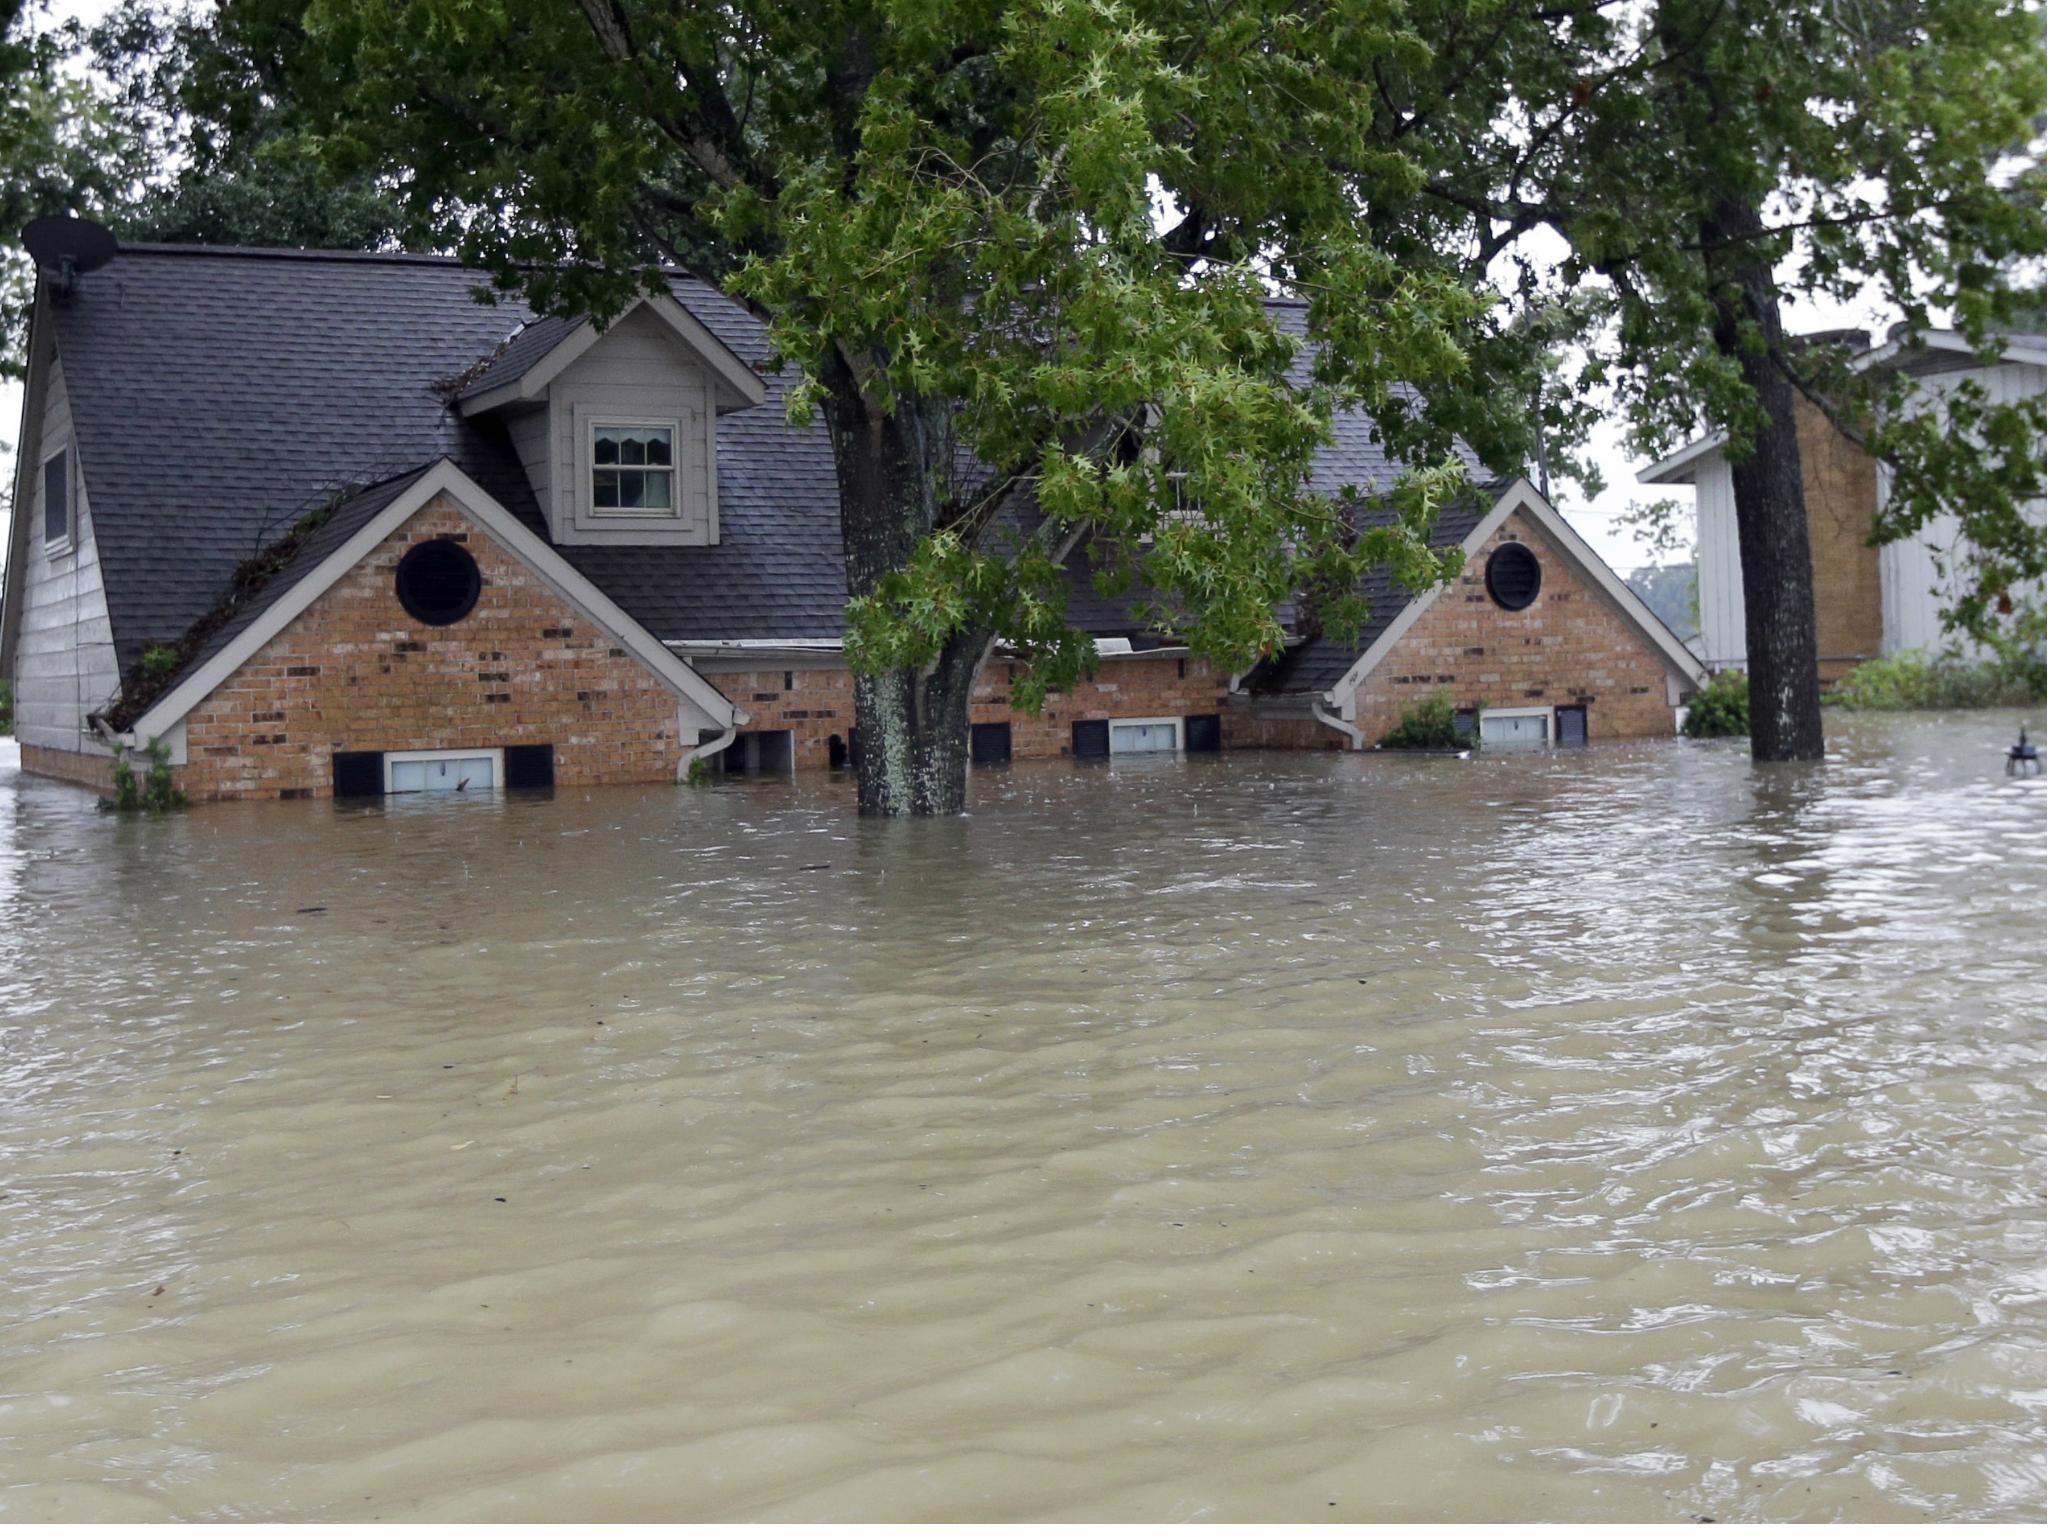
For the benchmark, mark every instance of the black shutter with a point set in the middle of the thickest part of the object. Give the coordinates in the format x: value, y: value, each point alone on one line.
x: 1091, y: 738
x: 358, y: 773
x: 1203, y: 733
x: 57, y: 498
x: 530, y: 767
x: 1571, y: 725
x: 990, y: 743
x: 1465, y: 722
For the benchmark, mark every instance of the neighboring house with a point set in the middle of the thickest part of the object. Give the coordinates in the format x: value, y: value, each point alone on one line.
x: 1868, y: 600
x: 320, y: 523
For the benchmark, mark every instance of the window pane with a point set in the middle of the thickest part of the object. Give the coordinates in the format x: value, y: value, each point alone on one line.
x: 1512, y: 730
x: 1163, y: 737
x: 621, y: 477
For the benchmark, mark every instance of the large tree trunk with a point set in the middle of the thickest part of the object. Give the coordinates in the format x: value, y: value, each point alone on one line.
x: 1770, y: 506
x: 910, y: 724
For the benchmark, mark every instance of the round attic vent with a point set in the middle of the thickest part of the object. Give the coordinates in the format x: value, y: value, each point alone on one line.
x: 1513, y: 578
x: 438, y: 582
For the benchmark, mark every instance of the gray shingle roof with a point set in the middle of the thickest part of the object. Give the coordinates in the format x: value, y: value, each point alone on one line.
x: 218, y: 394
x: 1317, y: 665
x: 522, y: 349
x: 234, y: 614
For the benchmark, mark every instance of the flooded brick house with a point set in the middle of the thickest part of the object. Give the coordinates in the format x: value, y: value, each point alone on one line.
x: 319, y: 523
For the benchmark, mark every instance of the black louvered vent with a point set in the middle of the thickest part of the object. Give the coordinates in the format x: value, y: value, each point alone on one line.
x: 438, y: 582
x: 990, y: 743
x: 358, y: 773
x: 1091, y: 738
x: 1571, y: 725
x: 1513, y: 577
x: 1202, y: 733
x: 530, y: 767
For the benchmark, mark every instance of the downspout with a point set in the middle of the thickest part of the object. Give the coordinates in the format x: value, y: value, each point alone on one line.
x: 1334, y: 723
x: 706, y: 749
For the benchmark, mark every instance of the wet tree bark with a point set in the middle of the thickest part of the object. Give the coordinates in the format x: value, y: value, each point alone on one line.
x: 910, y: 723
x: 1770, y: 504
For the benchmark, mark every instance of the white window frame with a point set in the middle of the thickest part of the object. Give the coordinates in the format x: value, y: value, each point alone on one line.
x: 69, y: 541
x: 674, y: 510
x: 449, y: 754
x: 1542, y: 711
x: 1180, y: 732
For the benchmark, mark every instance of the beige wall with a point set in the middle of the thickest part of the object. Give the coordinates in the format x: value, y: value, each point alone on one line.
x: 1573, y: 645
x: 355, y: 672
x: 1841, y: 500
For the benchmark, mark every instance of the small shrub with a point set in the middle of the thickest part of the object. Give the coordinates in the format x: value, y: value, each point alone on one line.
x: 1721, y: 708
x: 6, y: 707
x: 1914, y: 680
x: 154, y: 791
x: 158, y: 662
x: 1433, y: 723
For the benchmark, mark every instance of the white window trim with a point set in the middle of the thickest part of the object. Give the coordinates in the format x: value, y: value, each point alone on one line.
x: 457, y: 754
x: 1180, y: 732
x: 69, y: 542
x: 674, y: 510
x: 1541, y: 711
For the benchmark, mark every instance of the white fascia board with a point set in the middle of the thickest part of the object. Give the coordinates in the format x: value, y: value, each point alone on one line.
x: 443, y: 478
x: 738, y: 385
x: 1680, y: 467
x: 1524, y: 497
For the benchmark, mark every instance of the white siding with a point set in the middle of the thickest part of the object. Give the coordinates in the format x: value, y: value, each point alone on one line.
x: 1723, y: 641
x: 637, y: 371
x: 1919, y: 573
x: 64, y: 653
x: 527, y: 426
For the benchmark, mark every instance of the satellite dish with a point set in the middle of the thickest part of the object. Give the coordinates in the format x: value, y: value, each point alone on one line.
x: 66, y: 248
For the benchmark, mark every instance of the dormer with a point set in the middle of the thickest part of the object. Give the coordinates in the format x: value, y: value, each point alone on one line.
x: 617, y: 427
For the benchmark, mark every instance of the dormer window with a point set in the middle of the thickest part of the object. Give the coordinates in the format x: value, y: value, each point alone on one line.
x: 632, y: 468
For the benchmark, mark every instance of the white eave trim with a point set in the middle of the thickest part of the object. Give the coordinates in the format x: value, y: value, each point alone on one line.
x: 442, y: 478
x: 1680, y: 467
x: 737, y: 384
x: 1524, y: 497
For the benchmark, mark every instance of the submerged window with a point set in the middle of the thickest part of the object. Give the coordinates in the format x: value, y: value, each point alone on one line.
x: 443, y: 773
x: 438, y: 582
x: 1514, y: 728
x: 1128, y: 736
x: 632, y: 468
x: 57, y: 497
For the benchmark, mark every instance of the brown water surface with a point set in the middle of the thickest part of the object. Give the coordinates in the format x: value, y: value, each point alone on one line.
x: 1618, y: 1134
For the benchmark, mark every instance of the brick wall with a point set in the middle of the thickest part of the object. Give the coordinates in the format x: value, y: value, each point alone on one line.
x: 816, y: 703
x: 92, y: 769
x: 1570, y: 646
x: 1841, y: 499
x: 1122, y: 688
x: 355, y: 672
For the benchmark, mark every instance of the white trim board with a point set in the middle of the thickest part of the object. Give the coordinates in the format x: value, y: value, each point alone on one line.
x: 1525, y: 498
x: 738, y: 385
x: 441, y: 478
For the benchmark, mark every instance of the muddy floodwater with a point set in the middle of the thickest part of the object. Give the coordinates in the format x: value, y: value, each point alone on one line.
x: 1620, y: 1134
